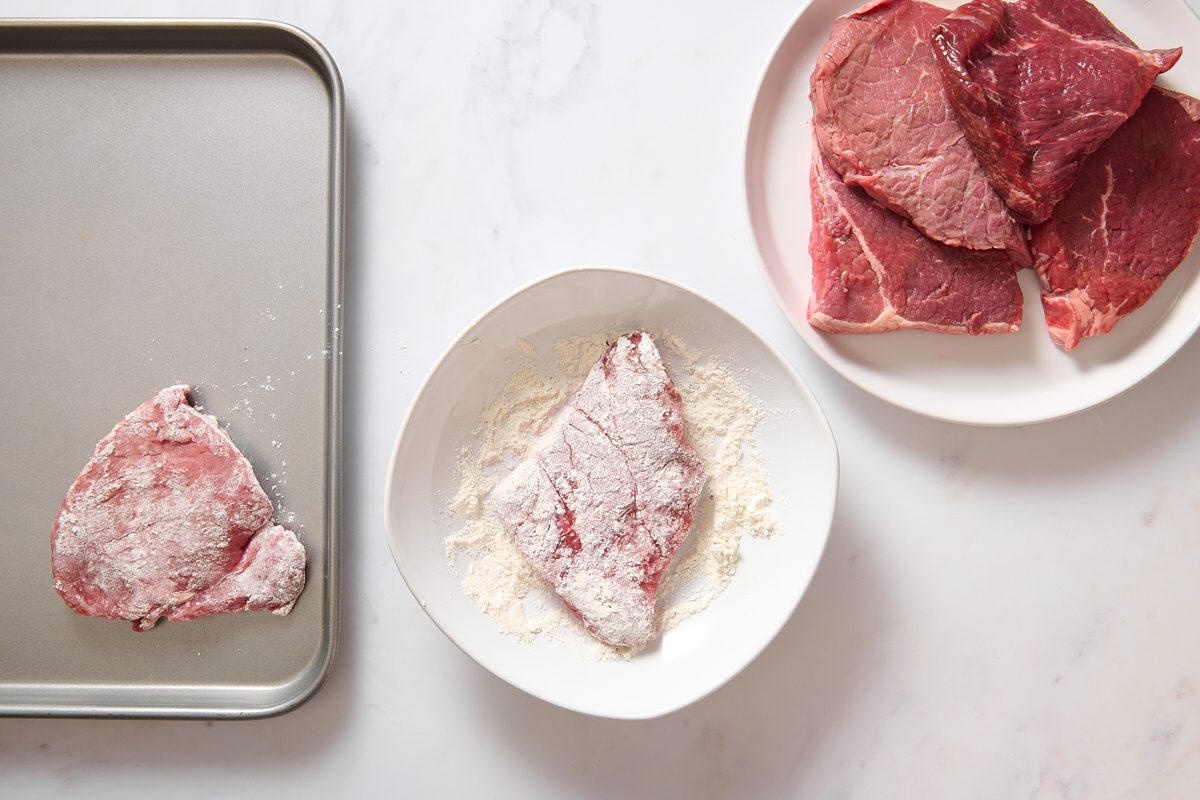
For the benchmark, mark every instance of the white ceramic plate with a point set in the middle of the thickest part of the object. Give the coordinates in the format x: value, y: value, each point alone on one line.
x: 699, y: 654
x: 988, y: 380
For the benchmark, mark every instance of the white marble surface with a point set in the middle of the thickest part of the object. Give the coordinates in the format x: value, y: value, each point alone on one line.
x: 1000, y: 613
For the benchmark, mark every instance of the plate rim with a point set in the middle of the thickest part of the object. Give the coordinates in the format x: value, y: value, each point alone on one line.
x: 390, y: 502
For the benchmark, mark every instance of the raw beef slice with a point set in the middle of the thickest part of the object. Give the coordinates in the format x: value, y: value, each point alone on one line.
x: 874, y: 272
x: 882, y: 119
x: 1038, y: 85
x: 1128, y: 222
x: 605, y: 497
x: 168, y: 520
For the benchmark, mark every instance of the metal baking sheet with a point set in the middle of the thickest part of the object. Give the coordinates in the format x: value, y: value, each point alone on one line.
x: 171, y: 197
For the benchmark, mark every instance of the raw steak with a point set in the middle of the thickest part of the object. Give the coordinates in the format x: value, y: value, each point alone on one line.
x: 883, y: 121
x: 1038, y: 85
x: 873, y: 272
x: 1128, y: 222
x: 168, y: 520
x: 605, y: 497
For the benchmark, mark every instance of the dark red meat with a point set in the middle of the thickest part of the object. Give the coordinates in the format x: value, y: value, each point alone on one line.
x: 874, y: 272
x: 1127, y: 223
x: 168, y: 520
x: 883, y: 120
x: 605, y: 497
x: 1037, y: 86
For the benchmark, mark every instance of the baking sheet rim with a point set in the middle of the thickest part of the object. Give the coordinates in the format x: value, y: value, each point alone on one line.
x: 322, y: 62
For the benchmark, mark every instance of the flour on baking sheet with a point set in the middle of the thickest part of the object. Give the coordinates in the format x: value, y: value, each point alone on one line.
x: 720, y: 419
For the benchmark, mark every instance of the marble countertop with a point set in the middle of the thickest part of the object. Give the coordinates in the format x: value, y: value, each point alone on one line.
x: 1000, y: 612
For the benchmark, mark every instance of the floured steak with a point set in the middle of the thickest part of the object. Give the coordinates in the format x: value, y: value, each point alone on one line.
x: 1126, y: 224
x: 884, y: 122
x: 168, y: 520
x: 1038, y: 86
x: 605, y: 497
x: 873, y: 272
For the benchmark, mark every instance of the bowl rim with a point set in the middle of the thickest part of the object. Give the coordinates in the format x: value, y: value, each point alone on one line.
x: 390, y: 501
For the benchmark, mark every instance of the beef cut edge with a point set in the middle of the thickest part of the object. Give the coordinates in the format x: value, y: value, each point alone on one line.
x: 873, y: 272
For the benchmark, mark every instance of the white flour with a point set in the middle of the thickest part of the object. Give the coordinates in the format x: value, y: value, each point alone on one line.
x: 720, y: 418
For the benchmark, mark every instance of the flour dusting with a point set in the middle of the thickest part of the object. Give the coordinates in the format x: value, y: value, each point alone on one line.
x: 720, y: 419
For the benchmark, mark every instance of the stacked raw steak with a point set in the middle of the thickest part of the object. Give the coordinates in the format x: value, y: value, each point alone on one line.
x: 938, y: 134
x: 883, y: 120
x: 1127, y: 223
x: 881, y: 274
x: 1038, y: 86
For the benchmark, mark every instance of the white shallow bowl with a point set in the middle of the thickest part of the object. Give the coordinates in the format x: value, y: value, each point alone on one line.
x: 701, y: 653
x: 1007, y: 379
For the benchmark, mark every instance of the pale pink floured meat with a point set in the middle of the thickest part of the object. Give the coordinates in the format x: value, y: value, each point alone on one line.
x: 168, y: 520
x: 606, y: 496
x: 268, y: 577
